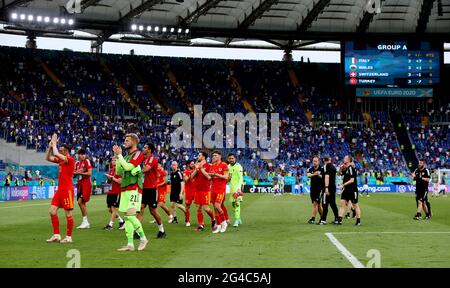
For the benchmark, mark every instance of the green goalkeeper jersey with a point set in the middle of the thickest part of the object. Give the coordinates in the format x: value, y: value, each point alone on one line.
x: 236, y: 176
x: 129, y: 168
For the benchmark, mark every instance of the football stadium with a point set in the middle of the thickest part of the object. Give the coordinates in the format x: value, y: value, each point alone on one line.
x: 225, y: 134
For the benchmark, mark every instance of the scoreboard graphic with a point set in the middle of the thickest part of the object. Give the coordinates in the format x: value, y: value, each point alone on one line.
x: 392, y: 64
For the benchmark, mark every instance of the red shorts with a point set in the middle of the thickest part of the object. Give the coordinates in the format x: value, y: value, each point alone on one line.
x: 161, y: 196
x: 201, y: 198
x: 63, y: 198
x: 84, y: 190
x: 189, y: 198
x: 217, y: 197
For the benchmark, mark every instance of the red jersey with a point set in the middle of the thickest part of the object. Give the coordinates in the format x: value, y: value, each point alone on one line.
x: 202, y: 183
x: 151, y: 176
x: 115, y: 187
x: 218, y: 185
x: 66, y: 171
x: 83, y: 165
x: 137, y: 158
x: 161, y: 178
x: 189, y: 186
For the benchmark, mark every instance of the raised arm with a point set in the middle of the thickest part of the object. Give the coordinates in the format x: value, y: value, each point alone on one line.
x: 48, y: 155
x: 55, y: 149
x: 126, y: 166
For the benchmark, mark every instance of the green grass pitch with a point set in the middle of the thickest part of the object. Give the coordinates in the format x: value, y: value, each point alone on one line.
x: 274, y: 234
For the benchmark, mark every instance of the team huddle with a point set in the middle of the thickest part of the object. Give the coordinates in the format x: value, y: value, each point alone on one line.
x: 137, y: 181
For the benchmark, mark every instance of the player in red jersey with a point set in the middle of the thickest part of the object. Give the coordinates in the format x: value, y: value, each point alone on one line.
x: 189, y: 189
x: 149, y: 193
x: 113, y: 196
x: 219, y: 177
x: 83, y: 169
x: 162, y: 191
x: 64, y: 195
x: 202, y: 192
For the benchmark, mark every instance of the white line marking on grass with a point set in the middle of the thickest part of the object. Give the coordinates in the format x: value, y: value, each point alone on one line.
x: 22, y: 206
x: 394, y: 232
x: 344, y: 251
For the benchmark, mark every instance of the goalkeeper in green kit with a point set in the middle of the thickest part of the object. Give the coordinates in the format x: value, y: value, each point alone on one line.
x: 236, y: 182
x: 131, y: 196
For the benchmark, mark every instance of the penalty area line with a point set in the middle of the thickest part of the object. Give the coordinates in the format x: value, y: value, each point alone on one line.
x: 350, y: 257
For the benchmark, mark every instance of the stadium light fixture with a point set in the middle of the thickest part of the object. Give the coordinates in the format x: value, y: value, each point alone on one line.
x: 150, y: 29
x: 30, y: 18
x: 14, y: 16
x: 63, y: 21
x: 71, y: 21
x: 56, y: 20
x: 22, y: 16
x: 47, y: 19
x: 39, y: 18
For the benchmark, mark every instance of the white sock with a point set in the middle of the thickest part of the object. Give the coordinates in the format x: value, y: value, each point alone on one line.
x: 85, y: 219
x: 161, y: 228
x: 111, y: 223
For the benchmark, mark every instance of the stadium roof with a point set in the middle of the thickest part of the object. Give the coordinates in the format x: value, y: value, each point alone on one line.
x: 279, y: 22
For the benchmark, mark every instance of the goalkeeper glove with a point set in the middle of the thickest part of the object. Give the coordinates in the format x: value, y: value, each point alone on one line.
x: 237, y: 194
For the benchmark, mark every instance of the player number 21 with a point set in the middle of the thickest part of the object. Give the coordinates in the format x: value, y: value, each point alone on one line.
x: 134, y: 198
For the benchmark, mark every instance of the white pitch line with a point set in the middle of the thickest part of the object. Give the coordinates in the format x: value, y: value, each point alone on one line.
x: 394, y: 232
x: 352, y: 259
x: 22, y: 206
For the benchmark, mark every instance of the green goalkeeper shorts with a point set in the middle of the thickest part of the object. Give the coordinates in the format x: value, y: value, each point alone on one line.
x: 130, y: 200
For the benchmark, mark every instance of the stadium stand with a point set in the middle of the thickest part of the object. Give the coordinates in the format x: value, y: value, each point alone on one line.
x: 92, y: 101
